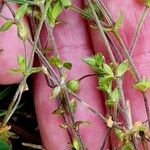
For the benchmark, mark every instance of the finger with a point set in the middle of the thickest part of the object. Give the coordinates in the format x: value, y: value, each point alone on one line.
x: 11, y: 47
x: 74, y: 45
x: 131, y: 10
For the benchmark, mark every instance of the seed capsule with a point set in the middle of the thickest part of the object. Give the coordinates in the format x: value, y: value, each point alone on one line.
x: 73, y: 85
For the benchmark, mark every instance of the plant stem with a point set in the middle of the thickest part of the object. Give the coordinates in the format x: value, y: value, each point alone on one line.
x: 10, y: 9
x: 67, y: 98
x: 10, y: 108
x: 38, y: 31
x: 51, y: 38
x: 4, y: 17
x: 136, y: 73
x: 88, y: 75
x: 116, y: 50
x: 19, y: 92
x: 118, y: 80
x: 88, y: 106
x: 105, y: 138
x: 46, y: 63
x: 109, y: 18
x: 138, y: 29
x: 105, y: 12
x: 13, y: 109
x: 72, y: 121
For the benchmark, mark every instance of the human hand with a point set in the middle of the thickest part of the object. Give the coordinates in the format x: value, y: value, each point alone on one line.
x: 76, y: 41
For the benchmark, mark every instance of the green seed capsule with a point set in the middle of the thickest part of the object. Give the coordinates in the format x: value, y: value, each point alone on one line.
x: 73, y: 85
x: 22, y: 31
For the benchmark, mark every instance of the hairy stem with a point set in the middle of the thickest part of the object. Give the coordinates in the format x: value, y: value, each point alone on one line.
x: 138, y: 29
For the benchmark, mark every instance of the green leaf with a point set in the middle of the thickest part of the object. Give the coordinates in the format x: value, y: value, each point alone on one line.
x: 128, y: 146
x: 57, y: 9
x: 67, y: 65
x: 119, y: 133
x: 108, y: 70
x: 90, y: 61
x: 21, y: 62
x: 6, y: 25
x: 122, y: 68
x: 113, y: 98
x: 73, y: 105
x: 55, y: 92
x: 76, y: 144
x: 99, y: 59
x: 66, y: 3
x: 34, y: 70
x: 115, y: 95
x: 53, y: 60
x: 95, y: 62
x: 16, y: 70
x: 4, y: 145
x: 119, y: 21
x: 105, y: 83
x: 89, y: 14
x: 21, y: 11
x: 109, y: 103
x: 18, y: 1
x: 60, y: 110
x: 142, y: 85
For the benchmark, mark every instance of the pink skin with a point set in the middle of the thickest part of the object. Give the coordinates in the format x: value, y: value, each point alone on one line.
x: 12, y: 47
x: 74, y: 43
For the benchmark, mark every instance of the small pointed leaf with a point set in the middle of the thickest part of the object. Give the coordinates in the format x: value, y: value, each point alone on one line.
x: 108, y: 69
x: 67, y: 65
x: 119, y: 21
x: 55, y: 92
x: 21, y: 11
x: 6, y: 25
x: 128, y: 146
x: 122, y: 68
x: 59, y: 111
x: 55, y: 61
x: 142, y: 85
x: 57, y: 9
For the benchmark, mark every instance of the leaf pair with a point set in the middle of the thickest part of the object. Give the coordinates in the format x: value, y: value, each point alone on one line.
x: 23, y: 67
x: 54, y: 60
x: 55, y: 10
